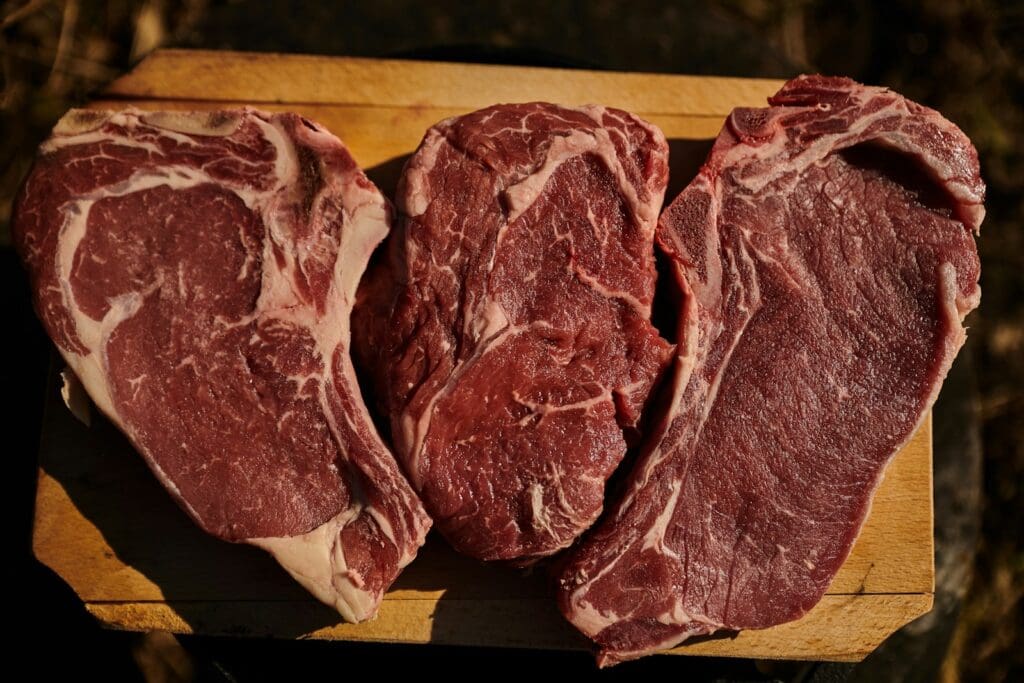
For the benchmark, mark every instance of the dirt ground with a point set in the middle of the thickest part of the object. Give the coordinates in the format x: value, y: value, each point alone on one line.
x: 964, y: 59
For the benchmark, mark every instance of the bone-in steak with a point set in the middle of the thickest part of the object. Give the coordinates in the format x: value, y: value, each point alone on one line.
x: 826, y: 257
x: 197, y: 272
x: 509, y: 331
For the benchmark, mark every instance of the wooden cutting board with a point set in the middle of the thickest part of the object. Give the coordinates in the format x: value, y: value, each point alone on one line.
x: 106, y: 527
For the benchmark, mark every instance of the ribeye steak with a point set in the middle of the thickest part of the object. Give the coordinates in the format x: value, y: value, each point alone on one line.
x: 826, y: 258
x: 197, y: 271
x: 509, y: 331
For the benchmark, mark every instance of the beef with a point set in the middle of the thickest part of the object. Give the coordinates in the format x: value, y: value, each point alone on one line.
x: 509, y: 332
x: 826, y: 258
x: 197, y: 271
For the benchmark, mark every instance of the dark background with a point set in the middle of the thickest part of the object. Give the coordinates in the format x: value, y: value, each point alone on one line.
x: 964, y: 59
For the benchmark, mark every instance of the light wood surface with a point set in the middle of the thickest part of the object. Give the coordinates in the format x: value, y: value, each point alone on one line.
x: 107, y: 528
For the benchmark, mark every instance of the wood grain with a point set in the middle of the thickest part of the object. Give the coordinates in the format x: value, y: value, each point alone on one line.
x: 104, y: 524
x: 824, y: 633
x: 297, y: 79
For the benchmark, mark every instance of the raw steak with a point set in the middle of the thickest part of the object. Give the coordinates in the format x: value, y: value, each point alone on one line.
x: 826, y: 260
x: 196, y: 271
x: 510, y: 331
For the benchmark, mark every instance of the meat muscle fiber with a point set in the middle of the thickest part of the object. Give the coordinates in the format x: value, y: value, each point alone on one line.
x: 196, y: 271
x: 826, y: 258
x: 509, y: 332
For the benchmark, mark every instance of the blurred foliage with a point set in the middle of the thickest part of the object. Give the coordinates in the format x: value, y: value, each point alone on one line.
x: 56, y: 53
x: 965, y: 59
